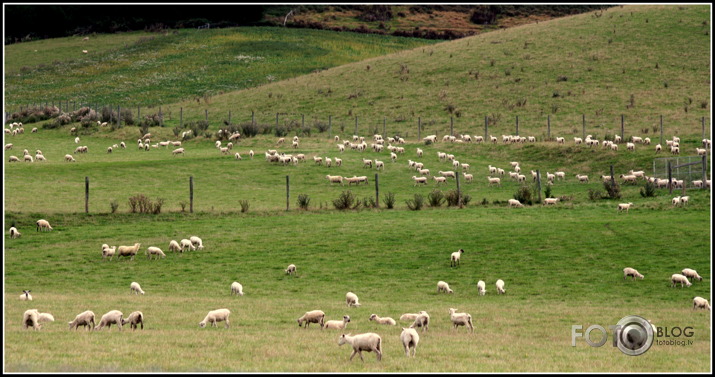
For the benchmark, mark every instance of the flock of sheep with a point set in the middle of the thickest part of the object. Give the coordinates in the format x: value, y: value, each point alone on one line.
x: 683, y: 279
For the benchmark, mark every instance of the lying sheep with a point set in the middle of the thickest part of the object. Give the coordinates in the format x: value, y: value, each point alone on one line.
x: 337, y: 324
x: 628, y: 271
x: 410, y: 339
x: 128, y: 251
x: 369, y: 342
x: 197, y: 242
x: 351, y: 299
x: 136, y: 288
x: 174, y: 246
x: 26, y: 296
x: 382, y: 320
x: 500, y: 287
x: 236, y: 288
x: 699, y: 302
x: 422, y: 321
x: 443, y: 286
x: 624, y: 206
x: 111, y: 317
x: 153, y: 250
x: 481, y: 287
x: 290, y: 270
x: 186, y: 245
x: 515, y: 203
x: 691, y: 274
x: 408, y: 316
x: 455, y: 257
x: 214, y: 316
x: 678, y: 278
x: 134, y: 319
x: 313, y: 316
x: 85, y: 319
x: 29, y: 319
x: 43, y: 225
x: 14, y: 233
x: 461, y: 319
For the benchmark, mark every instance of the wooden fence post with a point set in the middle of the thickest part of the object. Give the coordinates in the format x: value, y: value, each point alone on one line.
x: 538, y: 183
x: 583, y: 117
x: 451, y: 126
x: 206, y: 115
x: 517, y: 125
x: 287, y: 192
x: 703, y: 122
x: 377, y: 192
x: 276, y: 120
x: 191, y: 194
x: 705, y: 168
x: 253, y: 118
x: 86, y: 194
x: 670, y: 179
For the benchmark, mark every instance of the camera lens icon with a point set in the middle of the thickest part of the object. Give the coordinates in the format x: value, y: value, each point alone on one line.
x: 634, y: 335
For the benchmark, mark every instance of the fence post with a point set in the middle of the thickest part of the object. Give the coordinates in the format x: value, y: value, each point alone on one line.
x: 451, y: 126
x: 86, y: 194
x: 548, y: 127
x: 206, y: 114
x: 287, y: 192
x: 661, y: 130
x: 622, y: 127
x: 459, y: 192
x: 191, y: 194
x: 583, y: 116
x: 670, y: 178
x: 538, y: 183
x: 517, y: 125
x: 705, y: 169
x: 419, y: 128
x: 703, y: 122
x: 377, y: 192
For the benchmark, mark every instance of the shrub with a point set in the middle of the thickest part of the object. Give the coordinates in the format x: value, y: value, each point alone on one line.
x: 183, y: 206
x: 127, y: 117
x: 156, y: 207
x: 389, y: 200
x: 244, y: 205
x: 142, y: 204
x: 305, y: 131
x: 369, y: 202
x: 594, y: 195
x: 114, y: 205
x: 152, y: 120
x: 303, y: 201
x: 452, y: 198
x: 249, y: 129
x: 547, y: 192
x: 321, y: 126
x: 346, y: 200
x: 435, y: 198
x: 107, y: 114
x: 525, y: 195
x: 612, y: 189
x: 484, y: 201
x: 280, y: 131
x: 648, y: 190
x: 416, y: 203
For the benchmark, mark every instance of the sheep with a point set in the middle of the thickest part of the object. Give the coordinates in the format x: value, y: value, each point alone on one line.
x: 290, y: 270
x: 337, y: 324
x: 83, y: 319
x: 422, y: 180
x: 443, y: 286
x: 328, y: 162
x: 701, y: 151
x: 197, y: 242
x: 422, y: 320
x: 29, y: 319
x: 447, y: 174
x: 136, y: 288
x: 675, y: 201
x: 439, y: 180
x: 122, y: 145
x: 550, y: 201
x: 455, y: 164
x: 14, y: 233
x: 382, y: 320
x: 624, y: 206
x: 628, y: 271
x: 418, y: 166
x: 351, y: 299
x: 442, y: 156
x: 450, y: 157
x: 294, y: 145
x: 214, y: 316
x: 658, y: 148
x: 455, y: 257
x: 178, y: 151
x: 431, y: 139
x: 236, y: 288
x: 409, y: 316
x: 560, y: 140
x: 410, y: 339
x: 76, y: 140
x: 369, y: 342
x: 109, y: 318
x: 108, y: 252
x: 341, y: 148
x: 8, y: 146
x: 690, y: 273
x: 699, y: 302
x: 26, y: 296
x: 577, y: 140
x: 28, y: 158
x: 675, y: 150
x: 133, y: 319
x: 186, y: 245
x: 419, y: 152
x: 582, y: 178
x: 15, y: 159
x: 250, y: 154
x: 515, y: 203
x: 34, y: 130
x: 379, y: 164
x: 496, y: 181
x: 334, y: 179
x: 366, y: 163
x: 43, y: 225
x: 467, y: 177
x: 461, y: 319
x: 174, y: 246
x: 678, y: 278
x: 153, y: 250
x: 313, y: 316
x: 500, y: 287
x: 481, y: 287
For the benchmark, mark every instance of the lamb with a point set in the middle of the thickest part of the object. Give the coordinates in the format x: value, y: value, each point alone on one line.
x: 318, y: 160
x: 496, y: 181
x: 628, y: 271
x: 337, y: 324
x: 214, y: 316
x: 108, y: 252
x: 701, y: 151
x: 351, y: 299
x: 329, y: 162
x: 341, y: 148
x: 515, y: 203
x: 630, y: 146
x: 481, y: 287
x: 313, y: 316
x: 335, y: 179
x: 582, y: 178
x: 153, y: 250
x: 624, y: 206
x: 431, y: 139
x: 419, y: 152
x: 380, y: 164
x: 461, y: 319
x: 684, y: 199
x: 382, y: 320
x: 410, y: 339
x: 443, y: 286
x: 424, y: 172
x: 109, y: 318
x: 197, y: 242
x: 186, y: 245
x: 369, y: 342
x: 448, y: 173
x: 26, y: 296
x: 422, y: 320
x: 442, y: 156
x: 15, y: 159
x: 409, y: 316
x: 134, y: 319
x: 699, y: 302
x: 236, y: 288
x: 439, y: 179
x: 134, y: 287
x: 422, y: 180
x: 14, y: 233
x: 174, y: 246
x: 43, y: 225
x: 83, y: 319
x: 29, y: 319
x: 131, y: 251
x: 550, y: 201
x: 560, y: 140
x: 500, y: 287
x: 178, y: 151
x: 467, y: 177
x: 393, y: 156
x: 690, y: 273
x: 675, y: 201
x: 678, y: 278
x: 366, y: 163
x: 290, y: 270
x: 455, y: 257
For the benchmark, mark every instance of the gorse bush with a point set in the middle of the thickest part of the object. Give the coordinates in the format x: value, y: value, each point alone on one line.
x: 594, y: 195
x: 613, y: 190
x: 648, y: 190
x: 435, y: 198
x: 452, y: 198
x: 142, y: 204
x: 346, y: 200
x: 525, y: 195
x: 249, y: 129
x: 389, y: 200
x: 417, y: 203
x: 303, y: 201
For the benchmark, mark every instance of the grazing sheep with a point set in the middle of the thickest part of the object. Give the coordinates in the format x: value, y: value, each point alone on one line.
x: 701, y: 151
x: 329, y: 162
x: 675, y: 201
x: 134, y: 287
x: 178, y: 151
x: 76, y: 140
x: 691, y: 274
x: 128, y: 251
x: 410, y: 339
x: 628, y: 271
x: 153, y: 250
x: 500, y: 287
x: 337, y: 324
x: 560, y: 140
x: 14, y: 233
x: 122, y: 145
x: 675, y: 150
x: 684, y: 199
x: 29, y: 319
x: 455, y: 257
x: 109, y: 318
x: 134, y: 319
x: 250, y: 154
x: 678, y: 278
x: 481, y: 287
x: 630, y: 146
x: 351, y: 299
x: 313, y: 316
x: 515, y: 203
x: 439, y: 180
x: 186, y: 245
x: 43, y: 225
x: 197, y: 242
x: 214, y: 316
x: 699, y: 302
x: 341, y: 148
x: 422, y: 321
x: 15, y: 159
x: 448, y: 174
x: 496, y: 181
x: 461, y: 319
x: 422, y: 180
x: 85, y: 319
x: 409, y: 316
x: 443, y: 286
x: 624, y: 206
x: 174, y: 246
x: 108, y: 252
x: 290, y: 270
x: 8, y: 146
x: 382, y: 320
x: 26, y: 296
x: 236, y: 288
x: 369, y: 342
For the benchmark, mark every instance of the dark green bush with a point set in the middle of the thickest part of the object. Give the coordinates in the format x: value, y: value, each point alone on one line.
x: 303, y: 201
x: 648, y: 190
x: 435, y: 198
x: 416, y: 203
x: 346, y: 200
x: 389, y: 200
x: 612, y: 189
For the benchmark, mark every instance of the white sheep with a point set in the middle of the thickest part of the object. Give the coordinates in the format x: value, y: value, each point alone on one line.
x: 351, y: 299
x: 123, y: 145
x: 186, y: 245
x: 318, y: 160
x: 410, y: 339
x: 76, y: 140
x: 128, y: 251
x: 153, y: 250
x: 214, y: 316
x: 329, y: 162
x: 678, y: 278
x: 382, y: 320
x: 582, y: 178
x: 14, y: 233
x: 467, y: 177
x: 494, y: 181
x: 290, y: 270
x: 675, y: 201
x: 28, y: 158
x: 422, y: 180
x: 443, y: 286
x: 85, y: 319
x: 250, y: 154
x: 481, y: 287
x: 419, y: 152
x: 26, y: 296
x: 178, y: 151
x: 699, y: 302
x: 691, y: 274
x: 560, y: 140
x: 455, y: 257
x: 461, y: 319
x: 366, y: 163
x: 500, y: 287
x: 8, y: 146
x: 379, y: 164
x: 109, y: 318
x: 550, y: 201
x: 197, y: 242
x: 43, y: 225
x: 624, y: 206
x: 40, y: 157
x: 338, y: 161
x: 108, y: 252
x: 628, y: 271
x: 422, y: 321
x: 236, y: 288
x: 337, y: 324
x: 334, y: 179
x: 439, y: 180
x: 134, y: 319
x: 409, y: 316
x: 630, y: 146
x: 448, y: 174
x: 29, y: 319
x: 684, y: 199
x: 136, y: 288
x: 15, y: 159
x: 174, y: 246
x: 369, y: 342
x: 313, y: 316
x: 515, y: 203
